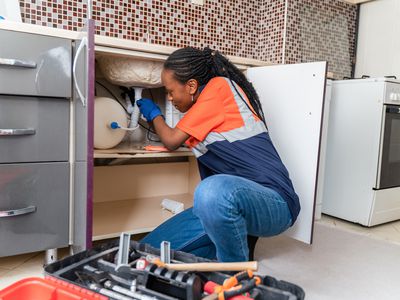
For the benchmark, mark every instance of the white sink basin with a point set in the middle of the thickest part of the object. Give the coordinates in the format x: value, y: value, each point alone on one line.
x: 130, y: 72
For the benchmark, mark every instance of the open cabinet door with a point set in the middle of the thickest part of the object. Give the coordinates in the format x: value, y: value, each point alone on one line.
x: 292, y: 98
x: 82, y: 136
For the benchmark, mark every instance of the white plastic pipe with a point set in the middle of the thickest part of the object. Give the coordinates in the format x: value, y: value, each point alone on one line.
x: 129, y: 106
x: 135, y: 115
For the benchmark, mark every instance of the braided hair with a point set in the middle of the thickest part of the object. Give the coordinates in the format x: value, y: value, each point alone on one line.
x: 203, y: 65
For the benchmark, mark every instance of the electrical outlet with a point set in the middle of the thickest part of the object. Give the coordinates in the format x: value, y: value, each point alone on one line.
x: 197, y: 2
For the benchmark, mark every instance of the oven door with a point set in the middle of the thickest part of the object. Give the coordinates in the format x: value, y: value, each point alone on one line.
x: 390, y: 149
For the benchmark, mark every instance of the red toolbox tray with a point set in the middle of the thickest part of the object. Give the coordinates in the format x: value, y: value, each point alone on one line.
x: 35, y: 288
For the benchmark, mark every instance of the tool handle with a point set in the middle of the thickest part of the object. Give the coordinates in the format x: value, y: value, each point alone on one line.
x: 211, y: 267
x: 234, y: 280
x: 211, y: 288
x: 241, y: 289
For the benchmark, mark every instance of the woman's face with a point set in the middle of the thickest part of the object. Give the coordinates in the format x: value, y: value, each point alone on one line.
x: 179, y: 93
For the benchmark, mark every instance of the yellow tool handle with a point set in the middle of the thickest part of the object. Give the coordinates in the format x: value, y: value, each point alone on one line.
x: 205, y: 267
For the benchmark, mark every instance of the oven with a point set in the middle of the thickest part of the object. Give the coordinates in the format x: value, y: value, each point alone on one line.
x: 389, y: 167
x: 362, y: 163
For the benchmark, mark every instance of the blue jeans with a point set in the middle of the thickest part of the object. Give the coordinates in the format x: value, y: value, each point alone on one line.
x: 226, y: 209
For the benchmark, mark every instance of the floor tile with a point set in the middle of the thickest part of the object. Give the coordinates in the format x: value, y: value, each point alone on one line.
x: 19, y: 273
x: 3, y: 271
x: 338, y: 265
x: 31, y: 266
x: 397, y: 225
x: 11, y: 262
x: 389, y: 231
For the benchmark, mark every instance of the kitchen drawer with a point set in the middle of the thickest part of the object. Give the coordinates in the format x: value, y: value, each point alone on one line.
x: 35, y: 65
x: 43, y: 125
x: 42, y: 190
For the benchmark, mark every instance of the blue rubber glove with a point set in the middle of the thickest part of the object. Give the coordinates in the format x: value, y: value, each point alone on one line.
x: 148, y: 109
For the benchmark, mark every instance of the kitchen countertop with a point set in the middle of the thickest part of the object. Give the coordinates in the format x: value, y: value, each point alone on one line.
x: 37, y: 29
x: 108, y: 44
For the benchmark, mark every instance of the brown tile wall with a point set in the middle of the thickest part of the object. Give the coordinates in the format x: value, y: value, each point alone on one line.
x: 270, y: 47
x: 316, y: 29
x: 229, y: 26
x: 322, y: 30
x: 58, y: 14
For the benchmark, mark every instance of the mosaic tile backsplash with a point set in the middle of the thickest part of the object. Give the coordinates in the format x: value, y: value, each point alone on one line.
x: 271, y: 31
x: 322, y: 30
x: 315, y: 29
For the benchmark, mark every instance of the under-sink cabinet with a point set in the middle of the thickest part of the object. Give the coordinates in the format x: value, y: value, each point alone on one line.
x: 128, y: 183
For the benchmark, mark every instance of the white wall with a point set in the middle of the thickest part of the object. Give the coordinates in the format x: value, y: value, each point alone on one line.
x: 378, y: 50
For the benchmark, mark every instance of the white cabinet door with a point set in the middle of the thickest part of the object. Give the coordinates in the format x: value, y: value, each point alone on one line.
x: 292, y: 98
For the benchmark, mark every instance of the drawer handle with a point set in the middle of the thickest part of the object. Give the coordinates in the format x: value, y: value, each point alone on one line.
x: 17, y: 63
x: 25, y: 131
x: 17, y: 212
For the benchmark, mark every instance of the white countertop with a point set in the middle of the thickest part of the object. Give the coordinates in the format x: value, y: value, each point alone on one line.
x: 108, y: 44
x: 37, y: 29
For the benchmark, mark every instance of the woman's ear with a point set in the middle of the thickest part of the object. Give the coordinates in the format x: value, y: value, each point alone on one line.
x: 192, y: 86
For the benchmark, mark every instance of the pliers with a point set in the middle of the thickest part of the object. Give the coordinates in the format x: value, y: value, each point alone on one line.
x: 230, y: 288
x: 235, y: 279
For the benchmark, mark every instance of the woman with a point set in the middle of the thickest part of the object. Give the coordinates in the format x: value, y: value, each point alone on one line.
x: 245, y: 188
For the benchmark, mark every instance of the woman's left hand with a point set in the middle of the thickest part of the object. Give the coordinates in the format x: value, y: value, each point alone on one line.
x: 148, y: 109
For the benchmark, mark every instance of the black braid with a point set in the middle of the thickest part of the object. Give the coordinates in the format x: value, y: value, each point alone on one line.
x: 191, y: 63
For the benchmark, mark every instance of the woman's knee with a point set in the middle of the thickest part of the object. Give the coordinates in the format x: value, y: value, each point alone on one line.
x: 211, y: 193
x: 207, y: 193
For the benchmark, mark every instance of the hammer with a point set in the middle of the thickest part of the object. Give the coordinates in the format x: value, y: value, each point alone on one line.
x: 208, y: 266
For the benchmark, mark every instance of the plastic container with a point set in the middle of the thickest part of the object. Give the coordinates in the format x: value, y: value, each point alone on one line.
x: 35, y: 288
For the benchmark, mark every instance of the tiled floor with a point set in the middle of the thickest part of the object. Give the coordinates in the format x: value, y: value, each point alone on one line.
x: 388, y: 232
x: 17, y: 267
x: 14, y: 268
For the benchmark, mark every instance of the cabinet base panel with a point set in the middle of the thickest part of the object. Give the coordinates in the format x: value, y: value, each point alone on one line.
x: 132, y: 216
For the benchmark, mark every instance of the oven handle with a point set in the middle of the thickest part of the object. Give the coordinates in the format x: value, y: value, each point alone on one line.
x: 393, y: 110
x: 17, y: 212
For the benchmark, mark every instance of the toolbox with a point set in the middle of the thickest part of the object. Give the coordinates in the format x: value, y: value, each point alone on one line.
x: 100, y: 270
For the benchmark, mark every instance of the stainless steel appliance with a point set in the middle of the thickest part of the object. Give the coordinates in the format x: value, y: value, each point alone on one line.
x: 362, y: 172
